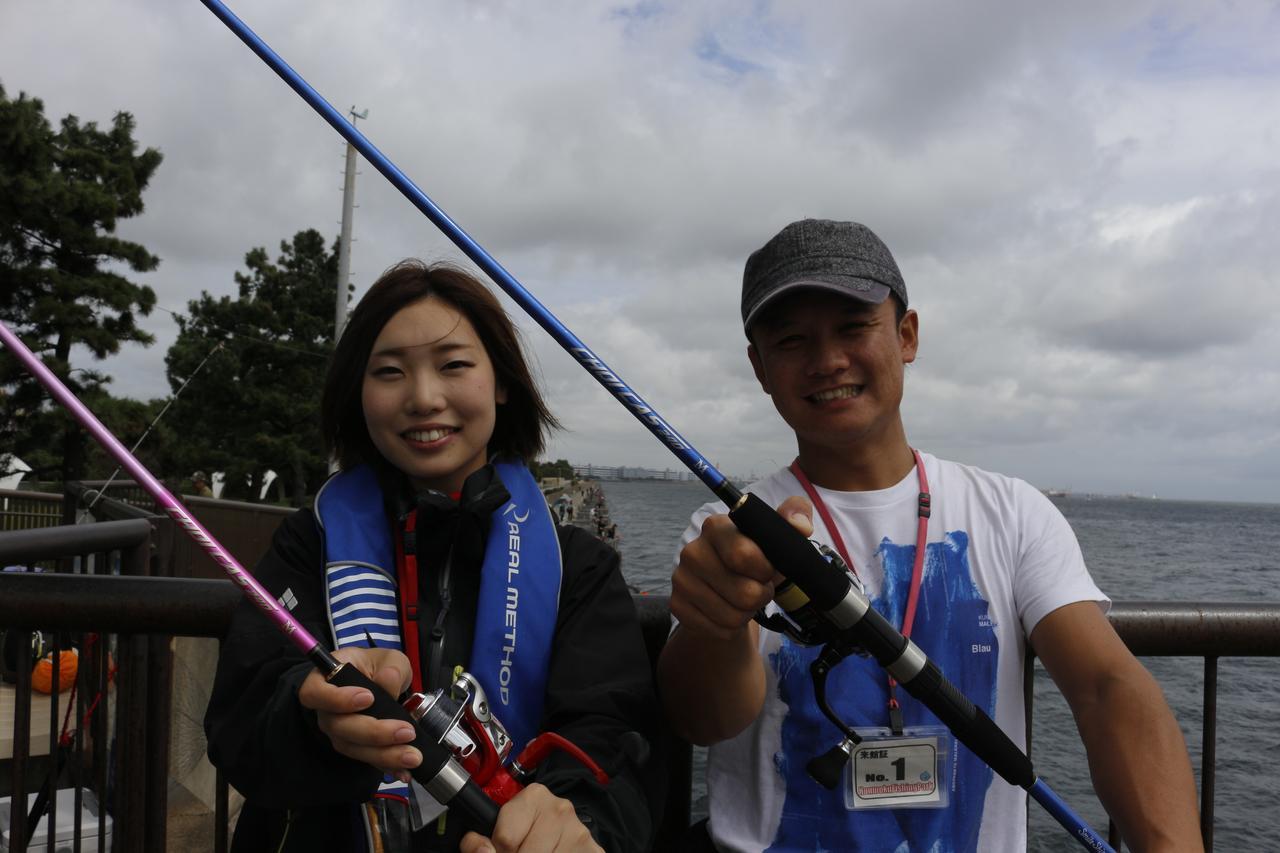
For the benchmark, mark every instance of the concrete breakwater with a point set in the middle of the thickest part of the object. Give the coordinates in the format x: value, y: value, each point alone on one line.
x: 583, y: 503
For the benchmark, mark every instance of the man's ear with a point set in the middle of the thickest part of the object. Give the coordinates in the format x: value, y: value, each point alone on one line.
x: 909, y: 336
x: 758, y: 366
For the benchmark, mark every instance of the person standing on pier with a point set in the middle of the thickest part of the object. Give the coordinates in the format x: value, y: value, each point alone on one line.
x: 421, y: 558
x: 972, y: 565
x: 200, y: 485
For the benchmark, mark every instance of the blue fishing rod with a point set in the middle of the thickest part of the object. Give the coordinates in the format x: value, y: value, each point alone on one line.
x: 842, y: 614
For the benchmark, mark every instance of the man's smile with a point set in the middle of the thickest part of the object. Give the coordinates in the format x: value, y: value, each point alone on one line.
x: 844, y: 392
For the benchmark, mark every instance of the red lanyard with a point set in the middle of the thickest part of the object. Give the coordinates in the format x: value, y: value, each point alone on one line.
x: 917, y: 570
x: 407, y: 580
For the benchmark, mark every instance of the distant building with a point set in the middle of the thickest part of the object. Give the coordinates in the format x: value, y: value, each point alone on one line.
x: 619, y: 472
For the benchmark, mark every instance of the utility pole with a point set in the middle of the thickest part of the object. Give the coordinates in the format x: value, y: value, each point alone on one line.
x: 344, y: 243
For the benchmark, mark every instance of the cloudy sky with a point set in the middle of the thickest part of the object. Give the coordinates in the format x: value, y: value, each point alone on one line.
x: 1084, y: 198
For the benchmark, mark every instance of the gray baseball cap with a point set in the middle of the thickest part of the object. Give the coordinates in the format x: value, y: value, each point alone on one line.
x: 843, y: 257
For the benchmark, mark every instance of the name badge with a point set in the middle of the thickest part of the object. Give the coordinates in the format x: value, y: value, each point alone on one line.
x: 914, y: 770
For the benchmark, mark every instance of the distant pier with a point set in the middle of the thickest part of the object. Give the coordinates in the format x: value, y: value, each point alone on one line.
x: 582, y: 503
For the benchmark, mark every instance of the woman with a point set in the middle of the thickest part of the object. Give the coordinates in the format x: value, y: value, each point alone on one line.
x: 431, y: 411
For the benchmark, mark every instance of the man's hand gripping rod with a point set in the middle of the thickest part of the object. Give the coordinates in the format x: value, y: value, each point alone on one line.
x: 440, y: 773
x: 840, y: 604
x: 849, y: 618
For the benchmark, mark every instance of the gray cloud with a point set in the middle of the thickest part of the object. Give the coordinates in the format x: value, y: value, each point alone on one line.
x: 1082, y: 198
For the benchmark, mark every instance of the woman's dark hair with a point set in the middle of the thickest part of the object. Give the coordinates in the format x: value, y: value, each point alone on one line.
x: 521, y: 425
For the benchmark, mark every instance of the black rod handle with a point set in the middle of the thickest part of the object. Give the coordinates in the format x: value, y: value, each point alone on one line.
x: 971, y: 726
x: 789, y: 552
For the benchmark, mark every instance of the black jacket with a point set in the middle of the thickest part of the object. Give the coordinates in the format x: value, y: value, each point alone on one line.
x: 269, y: 748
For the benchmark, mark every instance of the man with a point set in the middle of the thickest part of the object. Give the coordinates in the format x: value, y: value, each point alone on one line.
x: 830, y: 332
x: 200, y: 485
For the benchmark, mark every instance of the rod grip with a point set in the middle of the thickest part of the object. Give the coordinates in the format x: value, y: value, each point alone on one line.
x: 789, y: 552
x: 468, y: 802
x: 479, y: 811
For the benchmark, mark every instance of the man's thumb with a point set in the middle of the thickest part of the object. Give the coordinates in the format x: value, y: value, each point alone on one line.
x: 799, y: 512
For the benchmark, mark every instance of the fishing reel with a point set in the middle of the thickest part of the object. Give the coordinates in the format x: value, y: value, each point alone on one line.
x: 461, y: 719
x: 800, y: 620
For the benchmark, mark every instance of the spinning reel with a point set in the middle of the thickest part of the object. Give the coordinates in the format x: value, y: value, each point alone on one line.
x: 804, y: 624
x: 462, y: 720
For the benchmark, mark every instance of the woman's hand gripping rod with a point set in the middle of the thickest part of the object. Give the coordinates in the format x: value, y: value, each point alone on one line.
x: 841, y: 605
x: 442, y: 776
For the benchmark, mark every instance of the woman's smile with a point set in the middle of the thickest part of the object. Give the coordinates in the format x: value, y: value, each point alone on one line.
x: 429, y: 435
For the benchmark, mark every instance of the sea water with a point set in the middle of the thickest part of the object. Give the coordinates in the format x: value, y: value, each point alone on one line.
x: 1136, y: 549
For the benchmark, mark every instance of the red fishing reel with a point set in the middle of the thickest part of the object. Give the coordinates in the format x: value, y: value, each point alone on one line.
x: 461, y: 720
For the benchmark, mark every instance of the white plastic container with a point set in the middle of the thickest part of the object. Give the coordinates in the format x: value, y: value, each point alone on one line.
x: 64, y: 830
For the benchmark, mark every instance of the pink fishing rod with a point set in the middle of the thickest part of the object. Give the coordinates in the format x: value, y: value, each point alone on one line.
x: 440, y: 773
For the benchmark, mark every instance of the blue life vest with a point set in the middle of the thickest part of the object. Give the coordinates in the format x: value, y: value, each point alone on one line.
x: 519, y: 592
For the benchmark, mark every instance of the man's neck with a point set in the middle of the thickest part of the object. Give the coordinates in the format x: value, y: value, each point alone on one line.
x: 857, y: 469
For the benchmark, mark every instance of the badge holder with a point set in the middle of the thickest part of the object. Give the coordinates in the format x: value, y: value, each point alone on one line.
x: 913, y: 770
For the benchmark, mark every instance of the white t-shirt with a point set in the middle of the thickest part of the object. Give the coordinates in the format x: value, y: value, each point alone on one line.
x: 1000, y: 557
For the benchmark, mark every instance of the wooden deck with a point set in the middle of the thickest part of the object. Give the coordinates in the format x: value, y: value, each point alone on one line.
x: 40, y: 709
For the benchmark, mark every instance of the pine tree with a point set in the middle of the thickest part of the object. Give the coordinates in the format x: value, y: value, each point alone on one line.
x: 255, y: 406
x: 61, y: 195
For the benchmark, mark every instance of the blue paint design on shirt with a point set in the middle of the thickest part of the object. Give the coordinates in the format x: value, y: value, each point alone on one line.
x: 951, y: 619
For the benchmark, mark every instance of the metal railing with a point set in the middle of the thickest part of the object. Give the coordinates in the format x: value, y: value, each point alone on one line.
x: 244, y: 529
x: 21, y: 510
x: 127, y: 610
x: 1188, y: 629
x: 30, y: 603
x: 166, y: 607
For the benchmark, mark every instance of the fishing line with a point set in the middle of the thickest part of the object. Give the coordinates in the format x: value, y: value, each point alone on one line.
x: 246, y: 337
x: 176, y: 394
